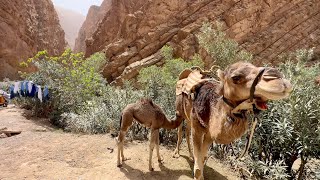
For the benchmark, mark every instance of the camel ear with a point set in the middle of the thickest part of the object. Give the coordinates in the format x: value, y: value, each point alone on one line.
x: 220, y: 74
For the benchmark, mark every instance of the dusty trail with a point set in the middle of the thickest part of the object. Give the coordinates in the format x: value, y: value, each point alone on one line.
x: 43, y: 152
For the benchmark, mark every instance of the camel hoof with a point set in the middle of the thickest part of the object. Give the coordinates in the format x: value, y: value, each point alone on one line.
x: 160, y: 160
x: 151, y: 169
x: 197, y: 174
x: 119, y: 165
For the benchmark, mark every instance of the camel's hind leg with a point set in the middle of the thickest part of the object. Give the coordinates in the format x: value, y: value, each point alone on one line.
x: 127, y: 119
x: 153, y: 135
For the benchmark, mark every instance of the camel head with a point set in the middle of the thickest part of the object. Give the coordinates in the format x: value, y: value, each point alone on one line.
x: 238, y: 78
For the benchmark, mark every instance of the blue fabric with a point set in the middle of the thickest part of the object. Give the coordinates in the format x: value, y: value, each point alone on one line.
x: 11, y: 91
x: 23, y: 89
x: 33, y: 91
x: 27, y: 89
x: 46, y: 93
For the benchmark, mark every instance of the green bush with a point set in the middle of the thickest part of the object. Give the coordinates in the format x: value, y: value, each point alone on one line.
x: 290, y: 129
x: 223, y: 50
x: 73, y: 82
x: 102, y: 113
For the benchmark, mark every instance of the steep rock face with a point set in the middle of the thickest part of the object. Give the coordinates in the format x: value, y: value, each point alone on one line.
x: 95, y: 14
x: 71, y: 22
x: 26, y: 27
x: 134, y: 31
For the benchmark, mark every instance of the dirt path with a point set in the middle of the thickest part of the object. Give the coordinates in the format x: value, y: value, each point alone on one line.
x: 42, y: 152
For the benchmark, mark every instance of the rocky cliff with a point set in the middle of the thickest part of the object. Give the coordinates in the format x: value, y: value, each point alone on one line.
x: 27, y: 26
x: 71, y: 23
x: 95, y: 14
x: 132, y: 31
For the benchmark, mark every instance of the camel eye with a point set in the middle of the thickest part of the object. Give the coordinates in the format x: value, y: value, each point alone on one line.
x: 236, y: 79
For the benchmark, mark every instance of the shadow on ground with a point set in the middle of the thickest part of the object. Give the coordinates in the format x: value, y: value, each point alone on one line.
x: 135, y: 174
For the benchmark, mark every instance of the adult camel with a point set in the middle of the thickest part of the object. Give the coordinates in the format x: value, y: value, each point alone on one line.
x: 217, y: 110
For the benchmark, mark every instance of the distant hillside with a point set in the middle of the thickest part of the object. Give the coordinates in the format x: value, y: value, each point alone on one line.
x: 71, y: 22
x: 94, y: 16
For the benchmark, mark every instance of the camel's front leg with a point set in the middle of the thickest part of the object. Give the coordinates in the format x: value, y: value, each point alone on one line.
x: 176, y: 153
x: 188, y: 134
x: 205, y: 147
x: 197, y: 137
x: 152, y: 144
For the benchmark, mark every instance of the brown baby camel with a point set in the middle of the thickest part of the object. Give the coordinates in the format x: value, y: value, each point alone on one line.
x: 150, y: 115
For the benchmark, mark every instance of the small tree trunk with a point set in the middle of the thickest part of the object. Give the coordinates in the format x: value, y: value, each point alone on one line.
x: 301, y: 169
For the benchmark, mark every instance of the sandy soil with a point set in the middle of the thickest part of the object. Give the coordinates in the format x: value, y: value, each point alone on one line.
x: 43, y: 152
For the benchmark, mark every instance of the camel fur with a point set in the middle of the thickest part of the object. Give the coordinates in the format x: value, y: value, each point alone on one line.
x: 150, y: 115
x: 210, y: 118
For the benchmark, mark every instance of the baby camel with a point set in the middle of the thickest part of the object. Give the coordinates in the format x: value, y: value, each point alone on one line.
x: 150, y: 115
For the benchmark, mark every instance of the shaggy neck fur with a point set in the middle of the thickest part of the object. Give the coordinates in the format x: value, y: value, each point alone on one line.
x: 212, y: 112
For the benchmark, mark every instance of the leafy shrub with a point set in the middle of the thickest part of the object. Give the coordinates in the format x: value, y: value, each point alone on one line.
x: 223, y: 50
x: 101, y: 114
x: 290, y: 129
x: 73, y: 82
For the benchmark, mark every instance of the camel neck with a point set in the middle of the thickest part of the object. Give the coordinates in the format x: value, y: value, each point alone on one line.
x: 232, y: 104
x: 172, y: 124
x: 223, y: 105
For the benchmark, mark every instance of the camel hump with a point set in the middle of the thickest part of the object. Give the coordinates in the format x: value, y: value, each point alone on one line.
x: 184, y: 74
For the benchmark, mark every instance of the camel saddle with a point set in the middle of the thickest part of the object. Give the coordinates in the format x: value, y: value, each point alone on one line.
x: 189, y: 80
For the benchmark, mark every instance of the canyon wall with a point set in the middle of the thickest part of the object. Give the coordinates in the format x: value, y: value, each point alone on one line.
x: 132, y: 32
x: 26, y: 27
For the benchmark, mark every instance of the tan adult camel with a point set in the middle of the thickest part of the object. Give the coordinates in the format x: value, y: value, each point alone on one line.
x: 217, y: 110
x: 150, y: 115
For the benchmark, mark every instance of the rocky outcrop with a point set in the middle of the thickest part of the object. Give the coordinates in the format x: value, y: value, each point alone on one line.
x: 27, y: 26
x: 71, y: 23
x: 95, y: 14
x: 131, y: 31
